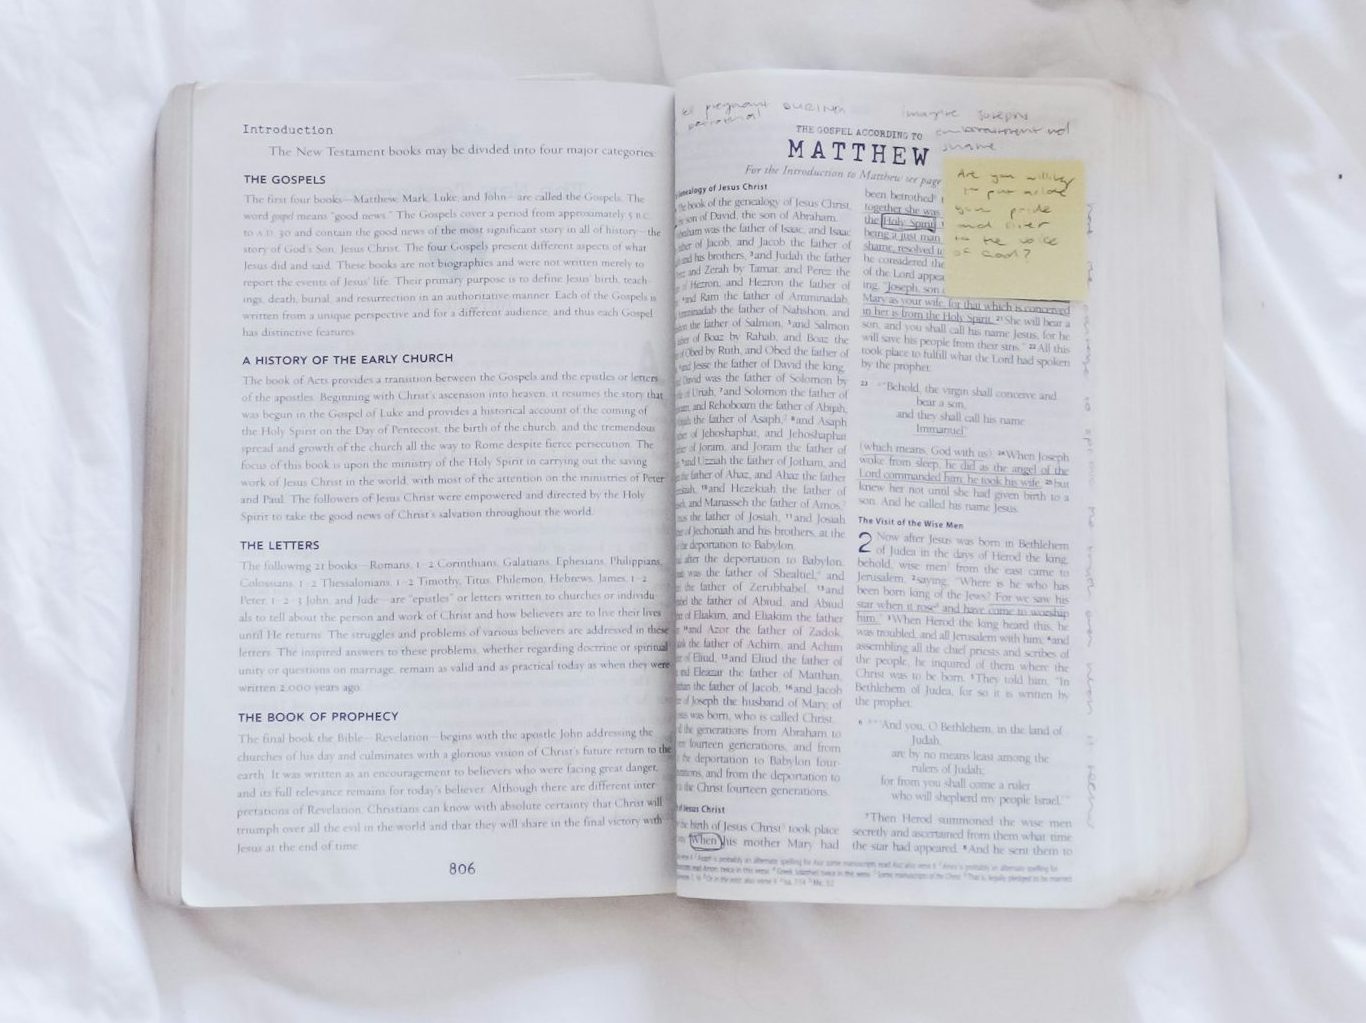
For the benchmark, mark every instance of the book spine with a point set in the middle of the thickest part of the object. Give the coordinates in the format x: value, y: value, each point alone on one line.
x: 161, y: 669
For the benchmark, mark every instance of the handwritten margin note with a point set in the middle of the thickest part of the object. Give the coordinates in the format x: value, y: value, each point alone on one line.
x: 1014, y: 228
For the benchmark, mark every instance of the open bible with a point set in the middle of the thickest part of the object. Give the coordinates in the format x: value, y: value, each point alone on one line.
x: 787, y: 486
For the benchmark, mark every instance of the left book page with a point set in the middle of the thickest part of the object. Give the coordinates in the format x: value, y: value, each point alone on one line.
x: 409, y: 546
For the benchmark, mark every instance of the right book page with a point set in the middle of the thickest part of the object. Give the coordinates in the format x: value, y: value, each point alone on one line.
x: 954, y: 610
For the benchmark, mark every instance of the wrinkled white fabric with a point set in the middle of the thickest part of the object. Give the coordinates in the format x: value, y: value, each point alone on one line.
x: 1278, y: 91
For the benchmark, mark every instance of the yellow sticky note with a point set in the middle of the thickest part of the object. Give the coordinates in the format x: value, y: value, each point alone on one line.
x: 1014, y: 228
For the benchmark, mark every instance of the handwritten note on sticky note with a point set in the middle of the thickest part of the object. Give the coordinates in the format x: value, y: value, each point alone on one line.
x: 1014, y: 228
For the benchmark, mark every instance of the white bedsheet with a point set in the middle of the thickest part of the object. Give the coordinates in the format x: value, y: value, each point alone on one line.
x: 1279, y: 91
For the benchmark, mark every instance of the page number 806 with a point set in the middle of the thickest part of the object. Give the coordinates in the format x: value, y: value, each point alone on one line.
x: 457, y: 869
